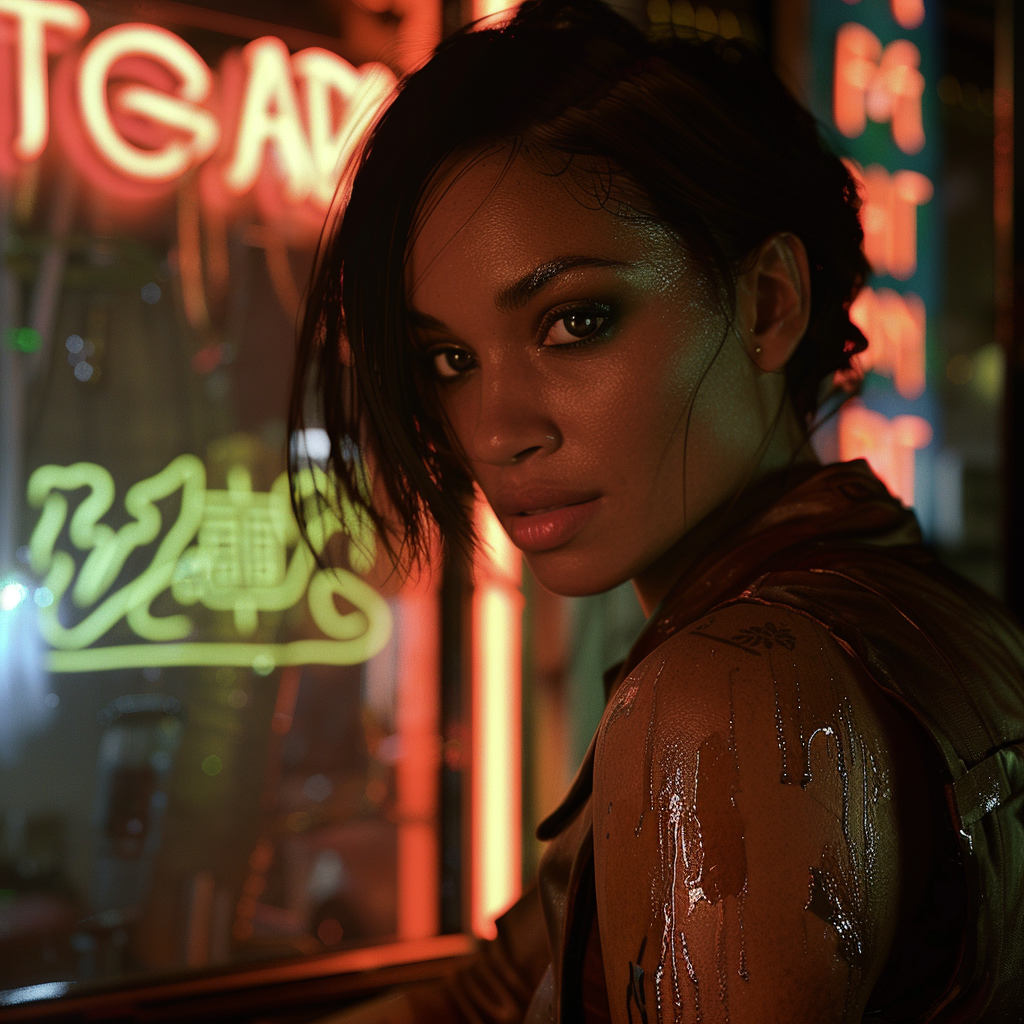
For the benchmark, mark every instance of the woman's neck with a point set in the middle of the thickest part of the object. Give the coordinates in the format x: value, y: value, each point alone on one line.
x: 653, y: 583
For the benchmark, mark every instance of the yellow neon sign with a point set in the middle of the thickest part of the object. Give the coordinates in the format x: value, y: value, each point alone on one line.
x: 270, y: 117
x: 299, y: 115
x: 227, y: 551
x: 33, y: 18
x: 180, y: 112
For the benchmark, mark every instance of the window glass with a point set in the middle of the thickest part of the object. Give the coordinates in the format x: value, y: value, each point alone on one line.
x: 211, y: 750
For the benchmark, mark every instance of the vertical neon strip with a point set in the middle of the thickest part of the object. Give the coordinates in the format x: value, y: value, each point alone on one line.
x: 416, y: 772
x: 496, y: 731
x: 875, y: 65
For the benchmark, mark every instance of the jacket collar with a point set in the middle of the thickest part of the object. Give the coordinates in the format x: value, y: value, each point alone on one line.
x: 807, y: 508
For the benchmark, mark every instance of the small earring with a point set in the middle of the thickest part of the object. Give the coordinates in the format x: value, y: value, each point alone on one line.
x: 757, y: 350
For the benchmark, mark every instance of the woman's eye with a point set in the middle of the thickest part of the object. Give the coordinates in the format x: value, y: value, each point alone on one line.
x: 578, y: 325
x: 451, y: 362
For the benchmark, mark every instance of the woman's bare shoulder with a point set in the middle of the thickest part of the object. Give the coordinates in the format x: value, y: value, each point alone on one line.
x: 748, y: 851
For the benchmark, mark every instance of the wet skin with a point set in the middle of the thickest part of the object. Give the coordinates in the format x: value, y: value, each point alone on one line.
x: 610, y: 412
x: 751, y: 815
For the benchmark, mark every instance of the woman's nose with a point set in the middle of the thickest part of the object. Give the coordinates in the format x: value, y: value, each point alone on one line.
x: 512, y: 421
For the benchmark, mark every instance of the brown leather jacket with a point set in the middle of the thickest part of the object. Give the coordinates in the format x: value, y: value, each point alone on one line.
x: 837, y: 548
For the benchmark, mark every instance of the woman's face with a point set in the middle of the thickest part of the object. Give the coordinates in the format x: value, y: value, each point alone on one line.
x: 602, y: 404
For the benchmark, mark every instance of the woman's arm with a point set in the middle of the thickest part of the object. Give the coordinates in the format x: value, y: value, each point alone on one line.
x: 748, y: 853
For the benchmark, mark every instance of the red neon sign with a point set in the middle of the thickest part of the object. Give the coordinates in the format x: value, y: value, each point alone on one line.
x: 887, y: 444
x: 39, y: 27
x: 884, y: 84
x: 177, y: 109
x: 894, y: 325
x: 889, y: 216
x: 147, y: 109
x: 907, y: 13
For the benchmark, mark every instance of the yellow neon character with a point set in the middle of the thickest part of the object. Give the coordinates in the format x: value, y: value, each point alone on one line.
x: 238, y: 563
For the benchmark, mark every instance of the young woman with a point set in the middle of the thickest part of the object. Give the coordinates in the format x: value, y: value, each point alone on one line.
x: 607, y: 281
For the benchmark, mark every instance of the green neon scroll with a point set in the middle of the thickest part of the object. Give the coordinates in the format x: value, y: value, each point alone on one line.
x: 227, y: 551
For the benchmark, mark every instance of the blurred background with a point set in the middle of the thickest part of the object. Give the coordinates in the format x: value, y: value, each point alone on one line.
x: 218, y: 761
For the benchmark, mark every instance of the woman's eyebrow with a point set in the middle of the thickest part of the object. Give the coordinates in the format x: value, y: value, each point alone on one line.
x: 516, y: 295
x: 425, y: 321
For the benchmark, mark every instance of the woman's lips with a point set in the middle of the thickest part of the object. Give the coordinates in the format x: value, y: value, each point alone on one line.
x: 550, y: 528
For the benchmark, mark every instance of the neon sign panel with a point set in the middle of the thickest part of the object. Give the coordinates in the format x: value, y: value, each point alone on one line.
x: 226, y: 551
x: 872, y: 82
x: 147, y: 109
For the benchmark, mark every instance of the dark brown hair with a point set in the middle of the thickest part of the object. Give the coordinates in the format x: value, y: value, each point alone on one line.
x: 703, y: 132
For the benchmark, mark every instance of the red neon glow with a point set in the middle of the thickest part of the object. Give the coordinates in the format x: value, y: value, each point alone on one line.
x: 487, y: 8
x: 889, y: 216
x: 66, y: 22
x: 908, y: 13
x: 332, y: 83
x: 496, y: 743
x: 894, y: 325
x: 888, y: 445
x: 270, y: 118
x: 883, y: 84
x: 138, y: 108
x: 196, y: 129
x: 417, y: 626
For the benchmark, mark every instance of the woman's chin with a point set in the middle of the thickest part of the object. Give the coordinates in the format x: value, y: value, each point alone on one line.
x: 571, y: 577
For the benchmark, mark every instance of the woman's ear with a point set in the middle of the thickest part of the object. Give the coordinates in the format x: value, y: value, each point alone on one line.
x: 774, y: 301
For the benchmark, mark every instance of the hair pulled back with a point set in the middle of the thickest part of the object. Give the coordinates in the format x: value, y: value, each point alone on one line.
x: 702, y: 133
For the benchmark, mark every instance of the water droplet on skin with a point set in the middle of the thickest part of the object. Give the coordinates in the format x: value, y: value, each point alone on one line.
x: 692, y: 974
x: 823, y: 730
x: 805, y: 775
x: 658, y: 975
x: 780, y: 735
x: 742, y: 896
x: 722, y: 956
x: 623, y: 706
x: 649, y: 752
x: 669, y: 930
x: 740, y: 907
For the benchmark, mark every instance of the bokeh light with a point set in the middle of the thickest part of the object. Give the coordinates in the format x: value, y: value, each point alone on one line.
x: 11, y: 595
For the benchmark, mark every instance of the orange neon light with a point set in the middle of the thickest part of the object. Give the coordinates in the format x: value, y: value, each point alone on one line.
x: 883, y: 84
x: 889, y: 216
x: 178, y: 112
x: 417, y: 626
x: 888, y: 445
x: 894, y: 325
x: 33, y: 18
x: 488, y: 8
x: 908, y: 13
x: 496, y: 731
